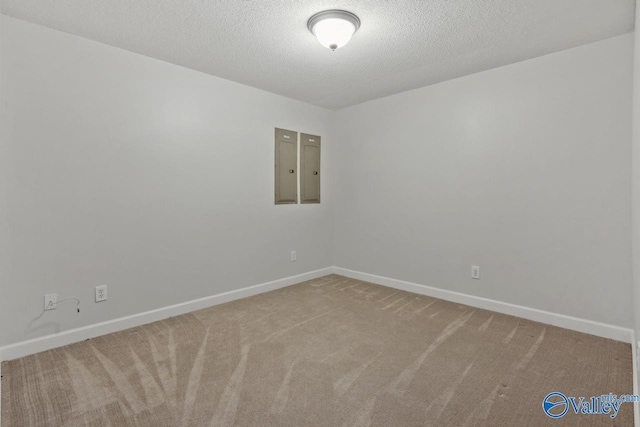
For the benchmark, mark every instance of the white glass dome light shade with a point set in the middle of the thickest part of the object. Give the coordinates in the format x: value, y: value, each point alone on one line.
x: 333, y: 33
x: 333, y: 28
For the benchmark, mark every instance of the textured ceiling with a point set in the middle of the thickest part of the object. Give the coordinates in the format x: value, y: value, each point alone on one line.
x: 402, y: 44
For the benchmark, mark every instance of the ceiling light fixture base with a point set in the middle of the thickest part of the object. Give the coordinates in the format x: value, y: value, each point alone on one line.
x: 334, y: 27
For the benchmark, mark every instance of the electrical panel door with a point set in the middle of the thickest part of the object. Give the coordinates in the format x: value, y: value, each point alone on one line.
x: 286, y: 167
x: 309, y: 168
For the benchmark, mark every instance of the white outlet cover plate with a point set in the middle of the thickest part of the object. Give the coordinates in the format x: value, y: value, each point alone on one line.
x: 101, y: 293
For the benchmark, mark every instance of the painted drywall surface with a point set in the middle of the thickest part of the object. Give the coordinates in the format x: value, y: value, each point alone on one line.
x: 151, y: 178
x: 523, y: 170
x: 635, y: 186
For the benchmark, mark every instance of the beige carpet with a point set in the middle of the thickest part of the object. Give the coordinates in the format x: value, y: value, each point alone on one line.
x: 328, y: 352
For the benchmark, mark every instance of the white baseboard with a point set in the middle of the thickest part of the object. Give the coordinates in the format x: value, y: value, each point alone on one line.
x: 36, y: 345
x: 568, y: 322
x: 48, y: 342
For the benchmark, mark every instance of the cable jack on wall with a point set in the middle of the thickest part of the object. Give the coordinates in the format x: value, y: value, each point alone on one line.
x: 51, y: 302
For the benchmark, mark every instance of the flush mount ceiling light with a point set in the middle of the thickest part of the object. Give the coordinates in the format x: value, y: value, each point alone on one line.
x: 333, y: 28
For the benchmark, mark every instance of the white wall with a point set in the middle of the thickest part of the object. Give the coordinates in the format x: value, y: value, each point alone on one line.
x: 635, y: 196
x: 157, y: 180
x: 154, y: 179
x: 523, y: 170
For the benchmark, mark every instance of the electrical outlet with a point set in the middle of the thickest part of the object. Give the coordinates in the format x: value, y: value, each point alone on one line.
x: 101, y: 293
x: 51, y: 301
x: 293, y: 256
x: 475, y: 272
